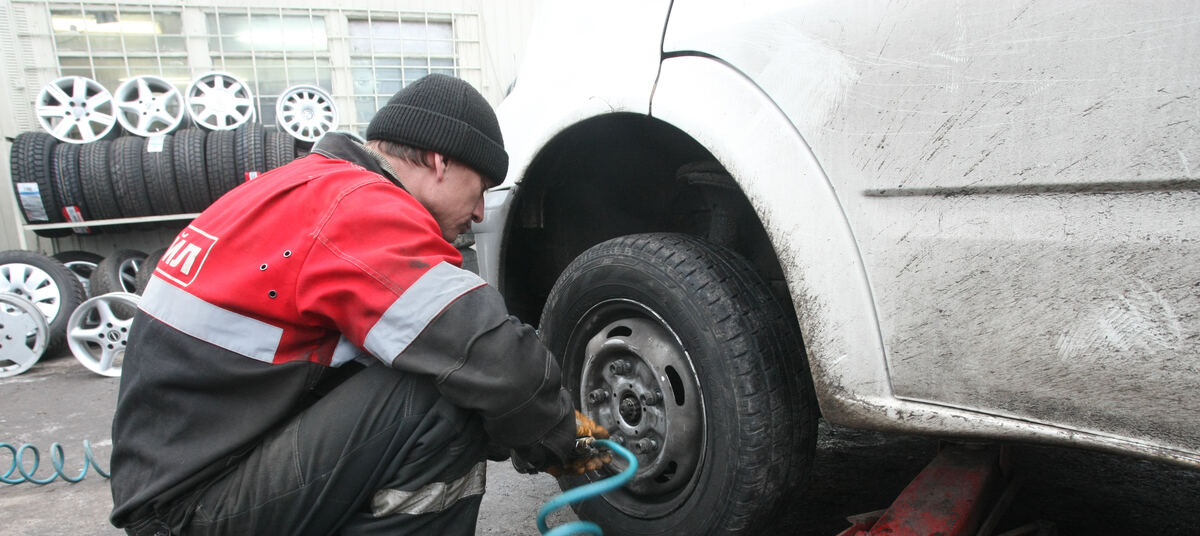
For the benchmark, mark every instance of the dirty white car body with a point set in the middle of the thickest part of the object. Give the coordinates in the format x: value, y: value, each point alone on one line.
x: 985, y: 216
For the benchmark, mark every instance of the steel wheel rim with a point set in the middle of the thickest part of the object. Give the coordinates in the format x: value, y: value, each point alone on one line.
x: 220, y: 101
x: 148, y: 105
x: 33, y: 284
x: 306, y: 112
x: 75, y: 109
x: 97, y: 335
x: 653, y: 394
x: 24, y: 334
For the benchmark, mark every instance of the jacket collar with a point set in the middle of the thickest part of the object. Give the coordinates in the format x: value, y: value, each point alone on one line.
x: 343, y: 145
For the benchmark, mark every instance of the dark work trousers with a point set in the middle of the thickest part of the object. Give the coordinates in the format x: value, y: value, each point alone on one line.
x: 382, y: 453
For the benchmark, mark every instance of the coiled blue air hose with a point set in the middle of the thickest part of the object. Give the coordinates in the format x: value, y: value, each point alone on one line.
x: 56, y: 459
x: 569, y: 497
x: 585, y: 492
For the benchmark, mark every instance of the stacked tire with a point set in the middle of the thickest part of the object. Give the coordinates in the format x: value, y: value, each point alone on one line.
x: 132, y: 176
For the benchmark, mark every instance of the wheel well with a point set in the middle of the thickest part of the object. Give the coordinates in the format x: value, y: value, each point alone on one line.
x: 616, y: 175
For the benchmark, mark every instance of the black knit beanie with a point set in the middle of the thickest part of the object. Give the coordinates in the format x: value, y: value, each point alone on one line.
x: 444, y: 114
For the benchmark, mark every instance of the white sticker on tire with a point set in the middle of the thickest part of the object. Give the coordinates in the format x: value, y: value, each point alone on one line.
x: 31, y: 201
x: 154, y: 144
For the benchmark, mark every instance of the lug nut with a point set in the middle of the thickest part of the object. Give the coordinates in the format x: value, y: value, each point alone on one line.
x: 645, y: 445
x: 620, y: 367
x: 652, y: 398
x: 597, y: 396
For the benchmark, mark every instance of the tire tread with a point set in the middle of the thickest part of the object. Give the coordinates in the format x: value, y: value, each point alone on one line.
x: 776, y: 418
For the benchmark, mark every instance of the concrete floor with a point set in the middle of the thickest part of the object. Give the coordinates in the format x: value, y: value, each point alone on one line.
x: 58, y: 400
x: 1081, y: 492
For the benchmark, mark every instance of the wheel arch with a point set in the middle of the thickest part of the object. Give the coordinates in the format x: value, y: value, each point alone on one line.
x: 803, y: 220
x: 619, y: 173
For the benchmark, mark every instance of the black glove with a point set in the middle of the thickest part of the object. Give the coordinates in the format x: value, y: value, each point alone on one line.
x: 577, y: 457
x: 551, y: 449
x: 533, y: 459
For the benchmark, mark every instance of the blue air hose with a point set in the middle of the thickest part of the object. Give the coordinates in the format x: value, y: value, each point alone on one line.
x: 569, y: 497
x: 56, y: 458
x: 585, y: 492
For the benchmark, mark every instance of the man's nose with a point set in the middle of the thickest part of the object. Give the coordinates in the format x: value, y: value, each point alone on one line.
x: 477, y: 214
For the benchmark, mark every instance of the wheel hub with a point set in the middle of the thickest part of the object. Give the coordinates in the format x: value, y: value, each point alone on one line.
x: 77, y: 109
x: 630, y: 409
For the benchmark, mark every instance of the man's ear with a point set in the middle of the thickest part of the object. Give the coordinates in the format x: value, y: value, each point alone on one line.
x: 439, y: 164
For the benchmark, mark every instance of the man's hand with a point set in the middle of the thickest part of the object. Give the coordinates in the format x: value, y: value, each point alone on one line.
x: 586, y: 457
x: 580, y: 458
x: 586, y: 427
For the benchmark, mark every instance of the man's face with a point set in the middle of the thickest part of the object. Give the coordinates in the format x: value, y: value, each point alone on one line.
x: 456, y: 200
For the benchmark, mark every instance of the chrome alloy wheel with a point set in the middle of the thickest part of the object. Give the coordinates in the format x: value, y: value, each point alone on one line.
x: 33, y: 284
x: 82, y: 270
x: 148, y: 105
x: 128, y: 272
x: 98, y: 331
x: 220, y: 101
x: 306, y: 112
x: 24, y: 334
x: 637, y: 380
x: 75, y: 109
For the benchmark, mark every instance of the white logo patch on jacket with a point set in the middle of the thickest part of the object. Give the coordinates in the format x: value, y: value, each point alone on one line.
x: 184, y: 259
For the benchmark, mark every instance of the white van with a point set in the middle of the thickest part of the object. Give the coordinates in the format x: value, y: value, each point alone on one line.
x: 964, y: 219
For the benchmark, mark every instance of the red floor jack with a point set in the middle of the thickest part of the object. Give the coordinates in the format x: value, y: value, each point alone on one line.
x: 964, y: 491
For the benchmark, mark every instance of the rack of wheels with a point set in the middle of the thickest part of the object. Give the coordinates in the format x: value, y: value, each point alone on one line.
x: 125, y: 161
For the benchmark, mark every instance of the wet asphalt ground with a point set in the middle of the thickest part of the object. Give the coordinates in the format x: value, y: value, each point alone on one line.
x: 1075, y: 492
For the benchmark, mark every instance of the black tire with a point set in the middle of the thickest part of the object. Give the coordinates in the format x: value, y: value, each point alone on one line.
x: 147, y: 269
x: 711, y: 361
x: 96, y: 179
x: 250, y: 153
x: 303, y: 148
x: 280, y: 149
x: 69, y: 185
x: 82, y: 264
x: 470, y: 261
x: 32, y: 168
x: 159, y: 167
x: 191, y: 169
x: 117, y: 272
x: 221, y: 160
x: 129, y: 180
x: 49, y: 285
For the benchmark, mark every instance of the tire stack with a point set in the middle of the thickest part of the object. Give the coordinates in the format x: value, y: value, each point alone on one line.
x: 133, y: 176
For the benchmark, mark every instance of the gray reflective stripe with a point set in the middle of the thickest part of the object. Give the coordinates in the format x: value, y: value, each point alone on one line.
x: 431, y: 498
x: 344, y: 352
x: 408, y: 316
x: 234, y: 332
